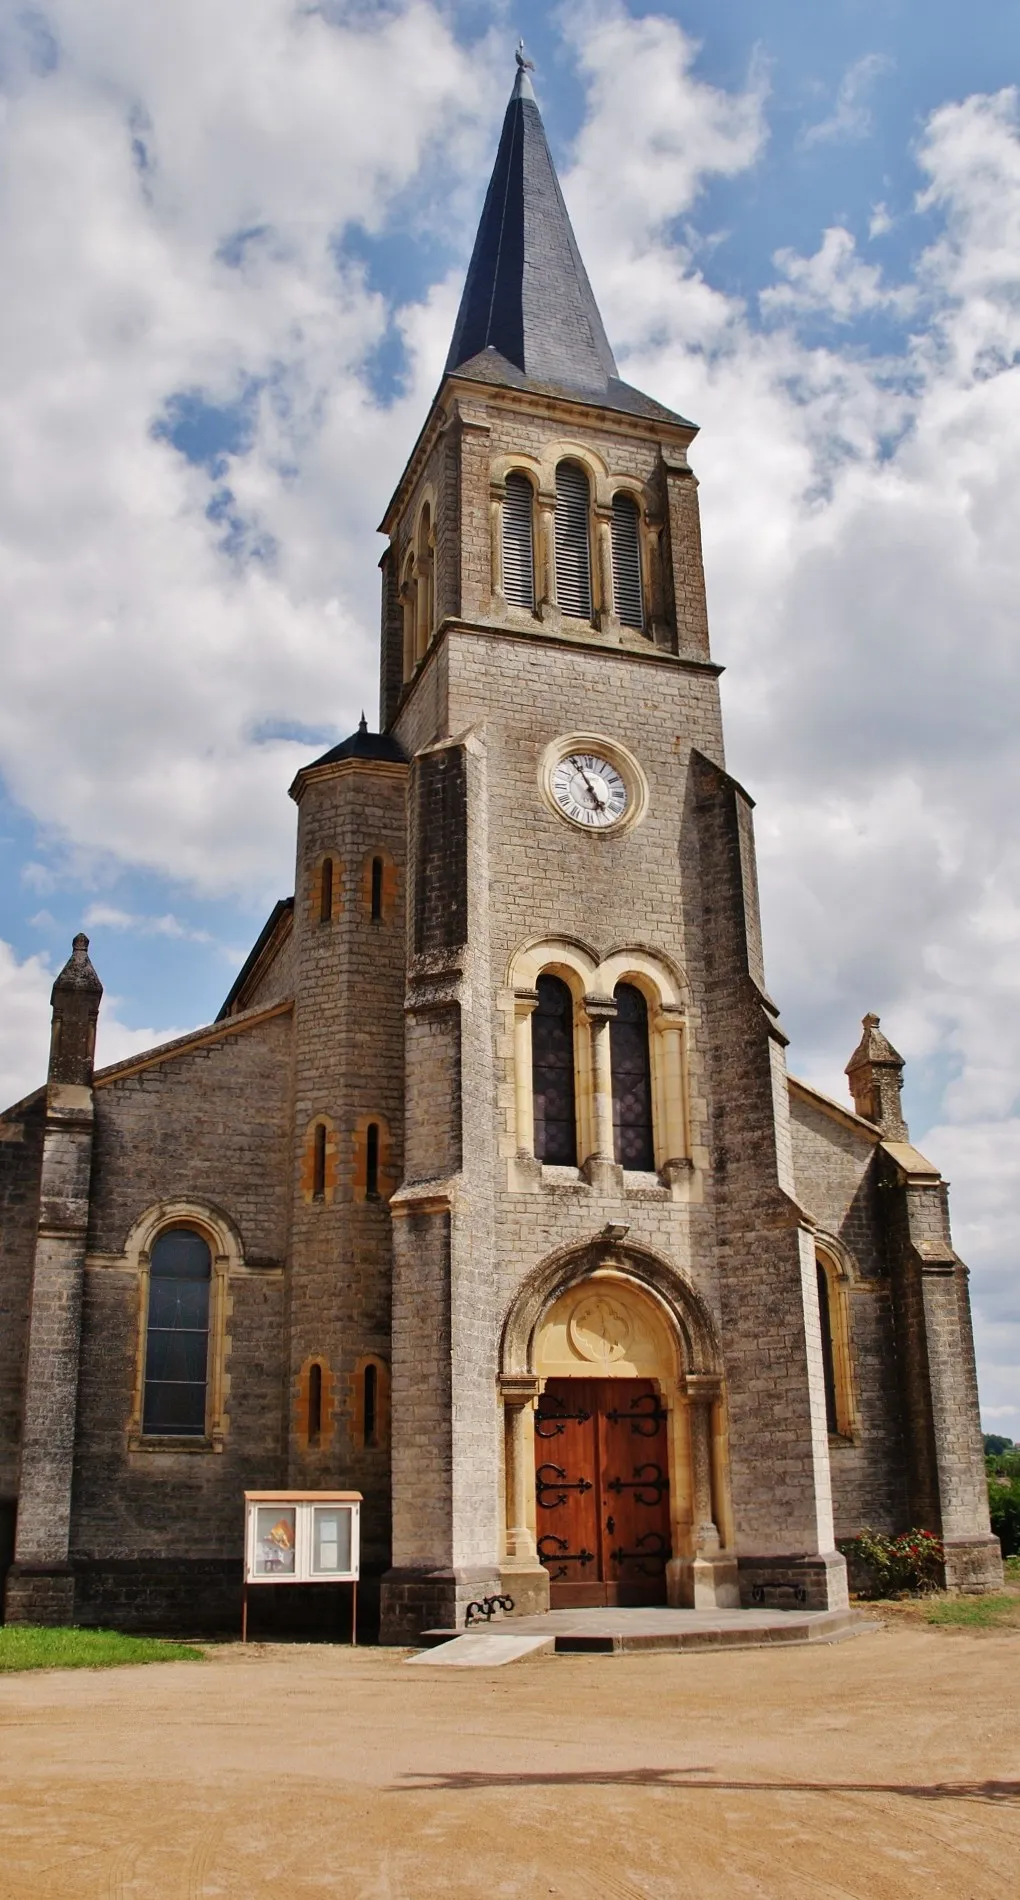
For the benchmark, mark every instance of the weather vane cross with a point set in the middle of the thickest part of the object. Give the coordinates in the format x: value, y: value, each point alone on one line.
x: 526, y: 65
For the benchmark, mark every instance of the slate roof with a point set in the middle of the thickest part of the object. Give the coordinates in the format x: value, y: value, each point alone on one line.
x: 528, y: 318
x: 363, y: 745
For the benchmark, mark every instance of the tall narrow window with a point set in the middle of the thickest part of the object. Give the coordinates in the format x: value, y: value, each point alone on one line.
x: 372, y: 1162
x: 552, y: 1073
x: 314, y: 1402
x: 326, y: 891
x: 371, y: 1405
x: 424, y: 568
x: 319, y: 1162
x: 177, y: 1336
x: 627, y: 598
x: 377, y: 877
x: 518, y: 543
x: 828, y: 1355
x: 573, y: 547
x: 632, y: 1080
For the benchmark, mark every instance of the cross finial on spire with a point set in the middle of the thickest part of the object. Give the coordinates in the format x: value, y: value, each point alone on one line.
x: 526, y: 65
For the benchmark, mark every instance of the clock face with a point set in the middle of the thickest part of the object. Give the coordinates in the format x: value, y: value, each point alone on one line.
x: 589, y: 790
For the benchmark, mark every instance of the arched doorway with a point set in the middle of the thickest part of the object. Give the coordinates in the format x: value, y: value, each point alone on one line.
x: 617, y: 1473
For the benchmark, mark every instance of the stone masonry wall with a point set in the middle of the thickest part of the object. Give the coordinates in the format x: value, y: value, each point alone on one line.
x: 20, y: 1161
x: 349, y: 1055
x: 210, y: 1126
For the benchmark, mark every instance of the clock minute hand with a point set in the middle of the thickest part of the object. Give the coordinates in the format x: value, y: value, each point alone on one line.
x: 591, y: 787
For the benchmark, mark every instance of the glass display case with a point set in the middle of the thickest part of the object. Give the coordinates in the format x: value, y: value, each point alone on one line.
x: 301, y: 1537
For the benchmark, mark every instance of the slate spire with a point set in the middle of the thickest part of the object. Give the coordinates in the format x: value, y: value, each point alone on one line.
x: 527, y: 295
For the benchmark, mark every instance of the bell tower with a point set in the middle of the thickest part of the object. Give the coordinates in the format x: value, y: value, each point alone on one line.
x: 595, y: 1083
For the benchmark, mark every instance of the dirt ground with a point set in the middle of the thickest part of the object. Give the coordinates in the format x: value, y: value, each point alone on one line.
x: 884, y: 1768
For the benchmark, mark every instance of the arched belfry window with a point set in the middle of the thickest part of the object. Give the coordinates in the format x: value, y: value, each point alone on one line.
x: 518, y: 542
x: 177, y: 1335
x: 627, y: 596
x: 552, y: 1073
x: 629, y: 1057
x: 425, y: 577
x: 573, y: 542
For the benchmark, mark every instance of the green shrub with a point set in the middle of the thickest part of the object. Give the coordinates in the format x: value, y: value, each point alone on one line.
x: 1004, y: 1511
x: 892, y: 1566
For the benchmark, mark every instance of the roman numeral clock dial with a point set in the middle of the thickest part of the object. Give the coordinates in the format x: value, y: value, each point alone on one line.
x: 589, y: 790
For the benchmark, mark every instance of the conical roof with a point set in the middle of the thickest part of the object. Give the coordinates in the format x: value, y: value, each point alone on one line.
x: 528, y: 316
x: 77, y: 973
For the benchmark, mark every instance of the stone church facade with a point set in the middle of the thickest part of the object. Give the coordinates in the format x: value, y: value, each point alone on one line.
x: 488, y: 1193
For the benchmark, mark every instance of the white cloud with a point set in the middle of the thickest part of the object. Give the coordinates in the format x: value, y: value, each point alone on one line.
x: 835, y: 281
x: 130, y: 166
x: 851, y: 116
x: 99, y: 916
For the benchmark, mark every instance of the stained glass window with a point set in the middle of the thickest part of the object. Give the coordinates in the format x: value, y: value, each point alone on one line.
x: 632, y: 1080
x: 177, y: 1338
x: 552, y: 1073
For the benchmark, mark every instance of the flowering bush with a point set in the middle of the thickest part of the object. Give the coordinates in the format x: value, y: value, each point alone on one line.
x: 913, y: 1563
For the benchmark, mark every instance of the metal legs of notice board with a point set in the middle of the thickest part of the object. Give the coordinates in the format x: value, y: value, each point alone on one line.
x: 354, y: 1612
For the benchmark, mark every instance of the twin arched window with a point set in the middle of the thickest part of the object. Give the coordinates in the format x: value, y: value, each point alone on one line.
x: 177, y: 1335
x: 572, y: 548
x: 552, y: 1071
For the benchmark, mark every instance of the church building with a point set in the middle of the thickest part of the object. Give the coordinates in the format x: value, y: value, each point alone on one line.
x: 488, y: 1194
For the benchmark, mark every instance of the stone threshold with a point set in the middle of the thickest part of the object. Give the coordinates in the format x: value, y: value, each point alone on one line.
x: 617, y: 1632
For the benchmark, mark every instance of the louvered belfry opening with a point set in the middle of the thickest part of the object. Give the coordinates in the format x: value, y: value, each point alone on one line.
x: 627, y: 595
x: 518, y: 543
x: 632, y: 1079
x: 573, y: 547
x: 552, y: 1073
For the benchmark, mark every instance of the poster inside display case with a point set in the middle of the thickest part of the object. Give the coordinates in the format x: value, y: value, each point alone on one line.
x: 301, y: 1537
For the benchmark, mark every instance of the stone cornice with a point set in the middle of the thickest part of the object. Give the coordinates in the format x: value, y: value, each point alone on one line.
x: 345, y: 768
x: 198, y: 1039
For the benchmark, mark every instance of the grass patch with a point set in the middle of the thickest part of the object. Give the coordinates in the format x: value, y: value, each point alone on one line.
x: 27, y: 1646
x: 1011, y: 1566
x: 975, y: 1613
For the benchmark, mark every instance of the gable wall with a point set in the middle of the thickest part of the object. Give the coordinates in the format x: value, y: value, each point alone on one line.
x: 835, y: 1169
x: 211, y: 1125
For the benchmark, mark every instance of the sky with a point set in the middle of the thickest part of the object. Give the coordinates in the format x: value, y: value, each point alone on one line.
x: 233, y: 235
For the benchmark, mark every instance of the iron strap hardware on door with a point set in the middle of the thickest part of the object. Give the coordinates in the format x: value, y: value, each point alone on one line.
x: 558, y: 1421
x: 560, y: 1483
x: 651, y: 1548
x: 562, y: 1556
x: 657, y: 1483
x: 644, y: 1416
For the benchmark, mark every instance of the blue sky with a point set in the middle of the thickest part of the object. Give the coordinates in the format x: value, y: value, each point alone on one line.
x: 235, y: 232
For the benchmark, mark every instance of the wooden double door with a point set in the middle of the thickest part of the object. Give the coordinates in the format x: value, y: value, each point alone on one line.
x: 602, y: 1491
